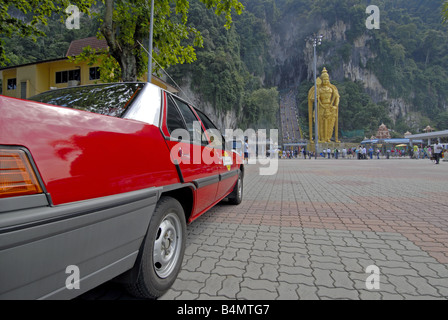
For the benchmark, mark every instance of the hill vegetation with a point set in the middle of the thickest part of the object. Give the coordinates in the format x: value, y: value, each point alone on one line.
x: 240, y: 68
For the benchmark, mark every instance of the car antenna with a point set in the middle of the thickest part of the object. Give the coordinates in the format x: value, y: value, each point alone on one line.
x: 175, y: 83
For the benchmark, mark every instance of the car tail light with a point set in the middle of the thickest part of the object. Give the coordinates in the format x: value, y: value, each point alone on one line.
x: 17, y: 176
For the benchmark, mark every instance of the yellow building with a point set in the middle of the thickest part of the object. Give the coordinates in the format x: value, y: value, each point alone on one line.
x: 29, y: 79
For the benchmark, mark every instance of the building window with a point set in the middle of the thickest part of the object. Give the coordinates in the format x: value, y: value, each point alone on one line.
x: 68, y: 75
x: 94, y: 73
x: 11, y: 84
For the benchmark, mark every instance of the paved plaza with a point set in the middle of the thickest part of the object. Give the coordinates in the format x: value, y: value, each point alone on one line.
x: 311, y: 230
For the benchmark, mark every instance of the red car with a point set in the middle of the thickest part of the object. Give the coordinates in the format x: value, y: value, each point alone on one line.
x: 98, y: 182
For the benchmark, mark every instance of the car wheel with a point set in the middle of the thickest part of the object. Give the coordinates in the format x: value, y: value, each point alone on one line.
x: 237, y: 194
x: 163, y: 250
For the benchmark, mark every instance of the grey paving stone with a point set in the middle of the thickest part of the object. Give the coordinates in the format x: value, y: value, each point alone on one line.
x: 259, y: 284
x: 272, y: 245
x: 325, y: 259
x: 398, y: 271
x: 302, y: 260
x: 286, y: 258
x: 327, y: 265
x: 269, y: 272
x: 323, y: 278
x: 186, y: 295
x: 442, y: 271
x: 370, y: 295
x: 191, y: 249
x: 229, y: 271
x: 230, y: 287
x: 391, y: 255
x: 256, y: 294
x: 295, y: 270
x: 298, y: 279
x: 337, y: 293
x: 420, y: 297
x: 170, y: 295
x: 401, y: 285
x: 193, y: 263
x: 241, y: 244
x: 229, y: 253
x: 307, y: 292
x: 187, y: 285
x: 263, y: 260
x: 207, y: 254
x: 423, y: 287
x: 342, y: 280
x: 207, y: 265
x: 391, y: 296
x: 204, y: 296
x: 253, y: 270
x: 242, y: 255
x: 265, y: 254
x: 213, y: 284
x: 287, y: 291
x: 352, y: 265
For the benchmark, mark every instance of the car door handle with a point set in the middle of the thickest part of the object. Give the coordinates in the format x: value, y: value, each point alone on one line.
x: 182, y: 154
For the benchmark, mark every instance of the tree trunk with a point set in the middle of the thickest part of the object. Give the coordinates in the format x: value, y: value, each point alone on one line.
x: 123, y: 54
x: 128, y: 65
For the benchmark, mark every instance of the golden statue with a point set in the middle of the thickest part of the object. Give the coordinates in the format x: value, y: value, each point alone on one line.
x: 327, y: 108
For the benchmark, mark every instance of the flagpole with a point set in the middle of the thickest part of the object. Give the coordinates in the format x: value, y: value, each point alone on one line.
x: 151, y: 29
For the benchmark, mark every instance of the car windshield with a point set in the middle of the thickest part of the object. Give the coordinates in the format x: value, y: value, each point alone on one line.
x: 106, y: 99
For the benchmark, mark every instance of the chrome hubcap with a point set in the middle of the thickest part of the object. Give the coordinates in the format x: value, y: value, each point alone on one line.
x: 167, y: 245
x: 240, y: 188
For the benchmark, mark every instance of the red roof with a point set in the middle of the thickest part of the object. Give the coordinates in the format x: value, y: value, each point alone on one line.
x: 76, y: 46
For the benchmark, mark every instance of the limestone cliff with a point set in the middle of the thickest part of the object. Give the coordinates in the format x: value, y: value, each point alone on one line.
x: 401, y: 67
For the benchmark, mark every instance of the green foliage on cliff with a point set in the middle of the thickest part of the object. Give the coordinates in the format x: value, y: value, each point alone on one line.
x: 411, y: 51
x: 230, y: 65
x: 237, y: 65
x: 407, y: 55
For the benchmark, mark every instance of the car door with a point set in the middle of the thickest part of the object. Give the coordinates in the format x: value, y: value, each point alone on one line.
x: 228, y: 169
x: 194, y: 158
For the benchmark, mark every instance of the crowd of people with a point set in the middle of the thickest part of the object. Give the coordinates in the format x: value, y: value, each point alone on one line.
x: 369, y: 152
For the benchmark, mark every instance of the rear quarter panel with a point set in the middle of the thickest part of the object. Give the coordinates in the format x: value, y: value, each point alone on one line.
x: 82, y: 155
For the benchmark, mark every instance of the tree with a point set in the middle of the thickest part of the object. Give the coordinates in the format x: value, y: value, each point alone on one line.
x: 445, y: 11
x: 38, y: 12
x: 261, y: 108
x: 125, y: 26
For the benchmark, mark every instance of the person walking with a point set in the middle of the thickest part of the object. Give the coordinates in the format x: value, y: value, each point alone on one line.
x: 246, y: 151
x: 437, y: 152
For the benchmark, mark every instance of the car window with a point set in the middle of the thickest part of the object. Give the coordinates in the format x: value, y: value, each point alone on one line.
x: 174, y: 119
x: 193, y: 125
x: 213, y: 132
x: 110, y: 99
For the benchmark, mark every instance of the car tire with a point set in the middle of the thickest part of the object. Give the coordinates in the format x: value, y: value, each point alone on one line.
x: 163, y: 250
x: 237, y: 194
